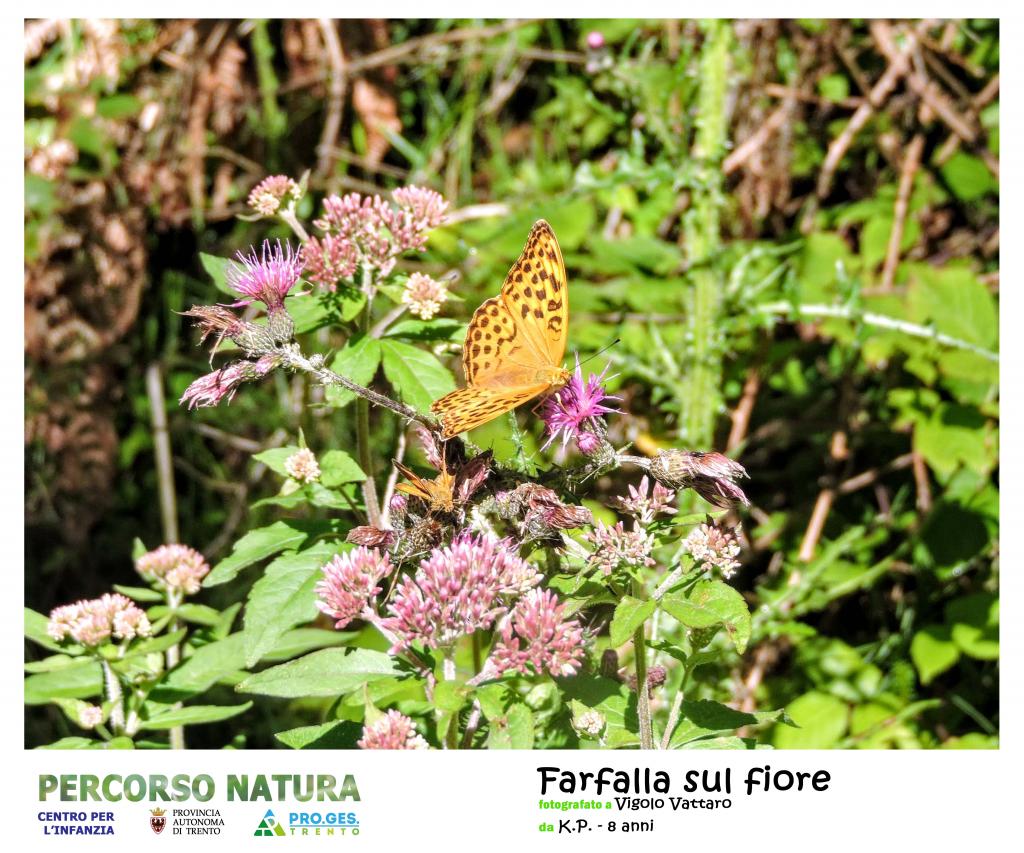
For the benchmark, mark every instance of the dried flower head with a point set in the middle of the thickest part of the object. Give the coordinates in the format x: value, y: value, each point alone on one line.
x: 424, y: 295
x: 175, y: 567
x: 615, y: 547
x: 302, y: 466
x: 269, y: 194
x: 210, y: 389
x: 392, y: 731
x: 655, y: 678
x: 350, y: 583
x: 93, y: 621
x: 372, y: 537
x: 568, y: 411
x: 643, y: 504
x: 218, y: 320
x: 715, y: 547
x: 457, y: 590
x: 538, y: 635
x: 268, y: 276
x: 712, y: 475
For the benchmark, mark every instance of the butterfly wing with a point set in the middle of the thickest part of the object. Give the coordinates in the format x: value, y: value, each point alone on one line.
x: 468, y: 408
x: 536, y: 295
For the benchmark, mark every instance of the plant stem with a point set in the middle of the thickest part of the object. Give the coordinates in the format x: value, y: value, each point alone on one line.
x: 643, y: 699
x: 112, y: 688
x: 699, y: 389
x: 173, y: 656
x: 363, y: 427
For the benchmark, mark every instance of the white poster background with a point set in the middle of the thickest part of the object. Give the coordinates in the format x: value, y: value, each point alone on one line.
x: 934, y: 801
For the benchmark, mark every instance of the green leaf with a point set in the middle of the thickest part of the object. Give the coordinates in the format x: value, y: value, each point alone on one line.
x: 705, y: 719
x: 338, y: 468
x: 613, y: 699
x: 202, y: 669
x: 139, y: 593
x: 329, y: 672
x: 89, y: 743
x: 933, y: 651
x: 80, y: 681
x: 968, y: 177
x: 955, y: 301
x: 630, y: 614
x: 154, y: 644
x: 955, y: 435
x: 192, y: 715
x: 217, y: 269
x: 438, y: 329
x: 416, y: 375
x: 341, y: 734
x: 283, y: 597
x: 311, y: 311
x: 198, y: 614
x: 712, y: 603
x: 264, y: 542
x: 512, y: 731
x: 822, y: 721
x: 975, y: 625
x: 358, y: 361
x: 275, y: 457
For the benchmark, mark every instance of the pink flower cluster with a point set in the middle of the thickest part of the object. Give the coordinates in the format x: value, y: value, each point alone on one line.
x: 615, y: 547
x: 269, y: 194
x: 176, y: 567
x: 350, y: 582
x: 538, y: 635
x: 458, y: 590
x: 715, y: 547
x: 210, y: 389
x: 644, y: 504
x: 392, y: 731
x: 96, y: 620
x: 368, y: 230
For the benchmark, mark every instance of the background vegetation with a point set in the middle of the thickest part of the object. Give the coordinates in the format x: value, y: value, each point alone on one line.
x: 792, y: 227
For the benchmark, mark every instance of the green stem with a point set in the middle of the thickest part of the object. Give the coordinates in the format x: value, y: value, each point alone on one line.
x: 363, y: 424
x: 699, y: 388
x: 173, y: 656
x: 643, y: 699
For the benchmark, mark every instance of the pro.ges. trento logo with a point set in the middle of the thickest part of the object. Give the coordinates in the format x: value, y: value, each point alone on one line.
x: 269, y: 826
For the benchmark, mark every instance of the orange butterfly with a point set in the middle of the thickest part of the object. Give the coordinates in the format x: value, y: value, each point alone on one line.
x: 516, y: 340
x: 438, y: 494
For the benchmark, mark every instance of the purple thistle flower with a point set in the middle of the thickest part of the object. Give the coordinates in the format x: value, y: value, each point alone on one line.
x: 538, y: 634
x: 268, y: 276
x: 350, y: 582
x: 567, y: 411
x: 456, y: 591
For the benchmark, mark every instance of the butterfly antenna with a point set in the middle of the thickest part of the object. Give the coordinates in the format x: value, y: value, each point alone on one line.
x: 605, y: 348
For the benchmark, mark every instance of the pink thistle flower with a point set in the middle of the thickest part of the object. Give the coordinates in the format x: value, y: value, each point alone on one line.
x: 268, y: 276
x: 538, y: 635
x: 643, y: 504
x: 392, y: 731
x: 424, y: 295
x: 302, y: 466
x: 330, y: 259
x: 615, y: 547
x: 175, y: 567
x: 91, y: 622
x: 588, y: 443
x: 457, y: 590
x: 350, y: 582
x: 269, y: 194
x: 567, y: 411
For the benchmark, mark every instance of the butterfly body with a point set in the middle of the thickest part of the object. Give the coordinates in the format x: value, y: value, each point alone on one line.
x: 516, y: 340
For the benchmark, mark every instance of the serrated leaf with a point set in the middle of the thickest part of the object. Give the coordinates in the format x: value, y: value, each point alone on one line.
x: 329, y: 672
x: 712, y: 603
x: 513, y: 730
x: 338, y: 468
x: 341, y: 734
x: 630, y: 614
x: 264, y: 542
x: 192, y: 715
x: 283, y: 597
x: 416, y: 375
